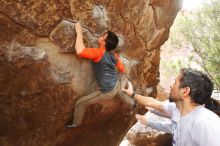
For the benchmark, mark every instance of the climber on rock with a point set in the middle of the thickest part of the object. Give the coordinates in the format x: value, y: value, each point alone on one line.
x: 106, y: 64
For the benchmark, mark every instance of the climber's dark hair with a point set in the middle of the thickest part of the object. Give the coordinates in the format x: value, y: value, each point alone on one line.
x: 111, y: 41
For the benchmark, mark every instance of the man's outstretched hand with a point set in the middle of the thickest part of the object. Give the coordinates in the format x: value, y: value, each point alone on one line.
x: 141, y: 118
x: 129, y: 90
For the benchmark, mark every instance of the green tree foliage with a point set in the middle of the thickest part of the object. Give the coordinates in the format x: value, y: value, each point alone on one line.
x: 200, y: 31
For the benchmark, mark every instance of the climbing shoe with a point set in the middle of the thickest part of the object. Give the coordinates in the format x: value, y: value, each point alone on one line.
x: 71, y: 125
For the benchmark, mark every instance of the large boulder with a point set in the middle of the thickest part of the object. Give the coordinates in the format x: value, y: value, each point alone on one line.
x: 41, y: 77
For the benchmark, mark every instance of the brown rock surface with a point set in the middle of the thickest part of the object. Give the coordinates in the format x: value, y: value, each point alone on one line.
x: 39, y: 85
x: 64, y: 36
x: 151, y: 138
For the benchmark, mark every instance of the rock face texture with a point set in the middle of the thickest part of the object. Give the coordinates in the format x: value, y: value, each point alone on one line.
x: 150, y: 138
x: 41, y: 77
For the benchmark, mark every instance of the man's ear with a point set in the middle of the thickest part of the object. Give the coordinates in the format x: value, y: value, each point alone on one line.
x: 186, y: 91
x: 103, y: 43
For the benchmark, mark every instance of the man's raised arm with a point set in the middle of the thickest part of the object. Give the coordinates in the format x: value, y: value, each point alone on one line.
x: 144, y: 100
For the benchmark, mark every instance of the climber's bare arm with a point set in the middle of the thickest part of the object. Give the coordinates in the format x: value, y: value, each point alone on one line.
x: 79, y: 46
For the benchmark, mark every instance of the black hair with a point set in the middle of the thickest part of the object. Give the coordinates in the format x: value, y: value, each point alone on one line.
x: 213, y: 105
x: 200, y: 85
x: 111, y: 41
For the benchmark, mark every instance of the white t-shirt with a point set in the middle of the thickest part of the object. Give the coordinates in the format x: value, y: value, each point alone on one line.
x: 201, y: 127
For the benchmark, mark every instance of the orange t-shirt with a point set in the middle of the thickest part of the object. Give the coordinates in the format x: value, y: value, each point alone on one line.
x: 96, y: 54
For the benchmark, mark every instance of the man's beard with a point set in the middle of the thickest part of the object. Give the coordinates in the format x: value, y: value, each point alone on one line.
x: 171, y: 99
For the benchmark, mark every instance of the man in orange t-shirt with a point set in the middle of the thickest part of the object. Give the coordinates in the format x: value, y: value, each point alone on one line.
x: 105, y: 66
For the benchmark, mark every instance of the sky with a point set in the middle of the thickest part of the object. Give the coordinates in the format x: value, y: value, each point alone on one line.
x: 191, y: 4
